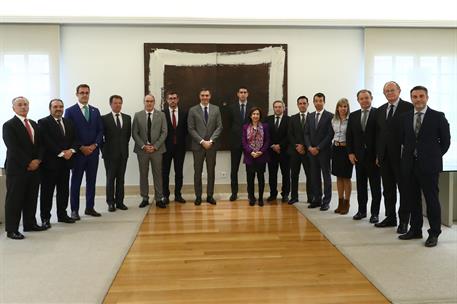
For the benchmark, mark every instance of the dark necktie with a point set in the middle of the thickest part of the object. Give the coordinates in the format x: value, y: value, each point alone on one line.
x: 302, y: 121
x: 29, y: 129
x: 149, y: 128
x: 173, y: 122
x: 418, y: 123
x: 59, y: 122
x: 391, y: 112
x: 364, y: 119
x: 206, y: 115
x: 118, y: 121
x: 277, y: 123
x: 86, y: 112
x: 317, y: 119
x: 243, y: 111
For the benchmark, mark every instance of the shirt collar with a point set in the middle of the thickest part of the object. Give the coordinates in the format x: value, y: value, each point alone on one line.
x: 421, y: 111
x: 114, y: 113
x: 240, y: 103
x: 152, y: 112
x: 171, y: 110
x: 395, y: 103
x: 22, y: 118
x: 81, y: 105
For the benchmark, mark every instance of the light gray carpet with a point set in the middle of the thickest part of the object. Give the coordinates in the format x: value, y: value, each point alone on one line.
x: 404, y: 271
x: 70, y: 263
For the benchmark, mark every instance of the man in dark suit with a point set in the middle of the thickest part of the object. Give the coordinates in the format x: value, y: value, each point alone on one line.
x: 237, y: 117
x: 89, y: 137
x: 278, y: 125
x: 117, y: 128
x: 361, y: 145
x: 23, y: 157
x: 204, y: 122
x: 425, y: 137
x: 318, y: 140
x: 297, y: 150
x: 388, y: 155
x: 176, y: 146
x: 59, y: 141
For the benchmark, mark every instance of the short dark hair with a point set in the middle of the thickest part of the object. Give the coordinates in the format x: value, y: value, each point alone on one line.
x: 112, y: 97
x: 204, y: 89
x: 252, y: 111
x: 321, y: 95
x: 419, y: 88
x: 171, y: 92
x: 364, y: 91
x: 54, y: 99
x: 279, y: 101
x: 243, y: 87
x: 302, y: 97
x: 83, y: 85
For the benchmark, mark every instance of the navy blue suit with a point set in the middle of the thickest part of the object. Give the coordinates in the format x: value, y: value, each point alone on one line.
x: 320, y: 136
x: 421, y: 163
x: 87, y: 133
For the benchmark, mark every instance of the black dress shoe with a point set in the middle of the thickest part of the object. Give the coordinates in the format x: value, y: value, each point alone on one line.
x: 233, y: 197
x: 292, y: 201
x: 111, y: 208
x: 161, y: 204
x: 166, y: 200
x: 387, y: 222
x: 359, y: 215
x: 45, y: 223
x: 252, y: 202
x: 15, y: 235
x: 121, y: 206
x: 431, y: 241
x: 325, y: 207
x: 92, y: 212
x: 314, y: 205
x: 271, y: 198
x: 180, y: 199
x: 260, y: 202
x: 285, y: 199
x: 34, y: 227
x: 198, y: 201
x: 411, y: 235
x: 402, y: 228
x: 374, y: 219
x: 75, y: 216
x: 211, y: 200
x: 67, y: 220
x: 143, y: 203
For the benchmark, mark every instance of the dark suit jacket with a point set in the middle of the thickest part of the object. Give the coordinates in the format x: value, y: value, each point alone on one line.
x: 279, y: 136
x: 359, y: 142
x: 296, y: 133
x: 235, y: 123
x: 115, y: 140
x: 431, y: 144
x: 55, y: 142
x: 320, y: 137
x: 20, y: 150
x: 388, y: 135
x: 181, y: 130
x: 87, y: 132
x: 248, y: 159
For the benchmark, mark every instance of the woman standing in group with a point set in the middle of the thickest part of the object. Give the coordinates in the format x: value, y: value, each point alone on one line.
x: 256, y: 141
x: 341, y: 166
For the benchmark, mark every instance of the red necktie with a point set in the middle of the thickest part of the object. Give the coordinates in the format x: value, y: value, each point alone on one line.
x: 173, y: 119
x: 29, y: 129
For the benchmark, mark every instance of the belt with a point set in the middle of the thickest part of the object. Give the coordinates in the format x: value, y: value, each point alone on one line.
x: 339, y: 143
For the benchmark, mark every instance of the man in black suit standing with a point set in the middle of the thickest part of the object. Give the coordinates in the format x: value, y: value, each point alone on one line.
x: 237, y: 113
x: 318, y: 139
x: 23, y: 157
x: 388, y: 155
x: 278, y: 125
x: 297, y: 150
x: 425, y: 137
x: 176, y: 146
x: 59, y: 141
x: 117, y: 128
x: 361, y: 145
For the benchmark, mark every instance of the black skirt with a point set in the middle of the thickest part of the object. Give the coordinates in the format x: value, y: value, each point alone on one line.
x: 341, y: 166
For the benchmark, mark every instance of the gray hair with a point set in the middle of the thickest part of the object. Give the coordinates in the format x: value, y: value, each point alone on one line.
x: 18, y: 98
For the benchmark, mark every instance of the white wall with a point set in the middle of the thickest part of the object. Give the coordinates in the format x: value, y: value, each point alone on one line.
x: 111, y: 60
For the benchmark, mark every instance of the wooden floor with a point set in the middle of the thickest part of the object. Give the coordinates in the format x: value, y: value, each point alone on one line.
x: 233, y: 253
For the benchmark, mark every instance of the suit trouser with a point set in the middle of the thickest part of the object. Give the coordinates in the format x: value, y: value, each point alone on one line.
x: 54, y: 179
x: 416, y: 183
x: 199, y: 158
x: 21, y: 197
x: 321, y: 164
x: 88, y: 164
x: 115, y: 176
x: 235, y: 158
x: 155, y: 159
x: 279, y: 161
x: 177, y: 155
x: 251, y: 171
x: 297, y: 161
x: 368, y: 172
x: 390, y: 173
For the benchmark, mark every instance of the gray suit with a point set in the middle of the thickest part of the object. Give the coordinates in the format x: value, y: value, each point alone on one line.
x: 158, y: 136
x: 199, y: 130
